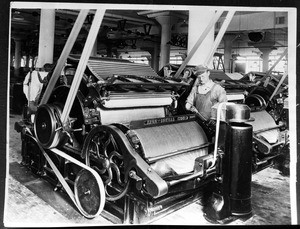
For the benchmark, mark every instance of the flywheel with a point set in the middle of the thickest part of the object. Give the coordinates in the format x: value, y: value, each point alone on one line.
x: 89, y: 193
x: 104, y: 156
x: 47, y: 125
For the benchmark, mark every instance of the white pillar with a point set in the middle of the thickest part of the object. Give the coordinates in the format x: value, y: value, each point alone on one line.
x: 265, y: 57
x: 198, y: 20
x: 155, y: 58
x: 166, y: 24
x: 17, y: 62
x: 166, y: 19
x: 228, y: 39
x: 154, y: 52
x: 46, y: 37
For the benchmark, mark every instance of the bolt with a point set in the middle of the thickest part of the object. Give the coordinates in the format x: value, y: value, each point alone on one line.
x: 131, y: 174
x: 44, y: 125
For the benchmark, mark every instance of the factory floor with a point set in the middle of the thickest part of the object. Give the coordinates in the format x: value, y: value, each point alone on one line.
x: 31, y: 201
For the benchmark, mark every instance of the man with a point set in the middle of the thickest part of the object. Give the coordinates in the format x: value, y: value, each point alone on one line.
x: 33, y: 85
x: 251, y: 77
x: 187, y: 75
x: 204, y: 94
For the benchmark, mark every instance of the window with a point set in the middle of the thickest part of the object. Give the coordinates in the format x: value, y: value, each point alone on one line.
x: 280, y: 20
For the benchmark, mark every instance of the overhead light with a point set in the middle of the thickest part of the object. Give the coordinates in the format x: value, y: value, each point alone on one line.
x: 255, y: 36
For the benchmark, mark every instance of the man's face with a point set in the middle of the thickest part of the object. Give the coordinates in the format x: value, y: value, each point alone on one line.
x: 204, y: 77
x: 186, y: 74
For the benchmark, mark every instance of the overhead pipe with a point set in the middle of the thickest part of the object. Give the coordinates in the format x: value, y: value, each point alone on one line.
x: 131, y: 19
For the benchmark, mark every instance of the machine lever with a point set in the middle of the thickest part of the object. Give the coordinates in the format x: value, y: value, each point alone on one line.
x: 132, y: 174
x: 194, y: 175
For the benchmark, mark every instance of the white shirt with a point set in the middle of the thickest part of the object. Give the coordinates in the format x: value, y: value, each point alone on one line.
x: 33, y: 90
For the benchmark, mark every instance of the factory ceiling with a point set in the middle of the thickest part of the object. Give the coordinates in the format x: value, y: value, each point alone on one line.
x: 134, y: 29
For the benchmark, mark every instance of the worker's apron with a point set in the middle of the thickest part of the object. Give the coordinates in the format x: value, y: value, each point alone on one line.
x: 203, y: 103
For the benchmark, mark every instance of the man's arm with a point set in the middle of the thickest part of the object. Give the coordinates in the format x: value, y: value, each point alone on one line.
x: 190, y: 99
x: 222, y: 96
x: 26, y: 85
x: 219, y: 94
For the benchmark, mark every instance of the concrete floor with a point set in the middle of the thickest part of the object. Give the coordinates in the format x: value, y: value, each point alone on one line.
x: 30, y: 201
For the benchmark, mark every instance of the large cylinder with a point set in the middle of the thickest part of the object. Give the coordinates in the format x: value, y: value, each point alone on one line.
x: 239, y: 150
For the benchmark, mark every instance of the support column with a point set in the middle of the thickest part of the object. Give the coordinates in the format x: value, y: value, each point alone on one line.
x: 166, y: 19
x: 228, y: 40
x: 27, y: 60
x: 154, y: 52
x: 265, y: 56
x: 165, y: 22
x: 17, y: 62
x: 151, y: 51
x: 46, y: 37
x: 155, y: 58
x: 198, y: 21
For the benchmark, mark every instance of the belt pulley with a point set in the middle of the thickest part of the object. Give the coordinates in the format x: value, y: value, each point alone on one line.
x: 89, y: 192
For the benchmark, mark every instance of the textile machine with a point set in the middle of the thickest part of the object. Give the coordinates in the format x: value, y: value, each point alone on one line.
x: 112, y: 134
x: 126, y: 148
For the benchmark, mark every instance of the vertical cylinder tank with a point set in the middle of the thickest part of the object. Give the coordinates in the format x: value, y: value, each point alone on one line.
x: 239, y: 150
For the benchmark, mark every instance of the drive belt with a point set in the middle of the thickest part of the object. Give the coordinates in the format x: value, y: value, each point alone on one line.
x: 88, y: 185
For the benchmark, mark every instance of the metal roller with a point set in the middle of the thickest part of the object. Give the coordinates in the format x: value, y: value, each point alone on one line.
x: 264, y: 126
x: 127, y: 115
x: 180, y: 143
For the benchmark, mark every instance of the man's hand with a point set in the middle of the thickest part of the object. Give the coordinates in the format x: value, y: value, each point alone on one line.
x: 196, y: 112
x: 211, y: 122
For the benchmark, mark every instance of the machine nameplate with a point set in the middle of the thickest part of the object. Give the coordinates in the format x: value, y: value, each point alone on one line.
x: 160, y: 121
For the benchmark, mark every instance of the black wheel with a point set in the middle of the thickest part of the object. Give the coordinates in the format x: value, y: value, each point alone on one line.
x: 89, y: 193
x: 103, y: 155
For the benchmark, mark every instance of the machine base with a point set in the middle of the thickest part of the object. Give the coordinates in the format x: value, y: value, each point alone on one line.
x: 218, y: 210
x: 136, y: 210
